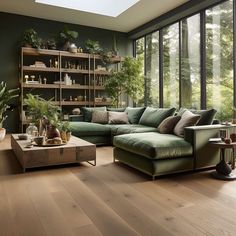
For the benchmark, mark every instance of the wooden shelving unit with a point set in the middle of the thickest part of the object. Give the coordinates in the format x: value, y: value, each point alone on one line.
x: 47, y: 70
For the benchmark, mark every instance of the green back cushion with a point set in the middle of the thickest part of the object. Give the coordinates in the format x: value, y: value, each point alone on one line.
x: 134, y: 114
x: 154, y: 116
x: 119, y: 109
x: 207, y: 116
x: 87, y: 112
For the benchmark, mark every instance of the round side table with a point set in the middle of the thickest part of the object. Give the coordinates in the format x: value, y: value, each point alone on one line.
x: 223, y: 169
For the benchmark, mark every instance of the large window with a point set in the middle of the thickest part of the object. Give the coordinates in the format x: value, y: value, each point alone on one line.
x: 152, y: 69
x: 219, y: 59
x: 140, y: 53
x: 190, y: 62
x: 191, y: 74
x: 171, y: 65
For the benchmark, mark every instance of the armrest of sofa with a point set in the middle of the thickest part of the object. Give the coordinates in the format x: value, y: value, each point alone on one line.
x: 198, y: 136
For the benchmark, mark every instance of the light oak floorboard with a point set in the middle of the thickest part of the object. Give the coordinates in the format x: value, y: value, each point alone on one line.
x: 111, y: 199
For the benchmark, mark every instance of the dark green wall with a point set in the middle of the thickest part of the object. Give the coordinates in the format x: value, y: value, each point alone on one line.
x: 11, y: 28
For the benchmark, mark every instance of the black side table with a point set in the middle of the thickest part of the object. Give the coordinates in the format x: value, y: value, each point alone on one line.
x: 223, y: 169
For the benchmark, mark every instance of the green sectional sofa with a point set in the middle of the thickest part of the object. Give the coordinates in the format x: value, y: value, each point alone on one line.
x: 139, y: 145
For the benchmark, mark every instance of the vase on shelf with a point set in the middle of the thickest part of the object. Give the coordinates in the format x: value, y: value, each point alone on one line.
x: 53, y: 132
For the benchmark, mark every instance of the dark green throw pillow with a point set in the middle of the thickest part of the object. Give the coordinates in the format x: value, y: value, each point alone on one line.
x: 87, y: 112
x: 154, y: 116
x: 134, y: 114
x: 207, y: 116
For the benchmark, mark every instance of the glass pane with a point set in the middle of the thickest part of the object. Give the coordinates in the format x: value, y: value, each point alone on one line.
x: 190, y: 63
x: 219, y: 59
x: 171, y: 65
x: 140, y: 53
x: 152, y: 69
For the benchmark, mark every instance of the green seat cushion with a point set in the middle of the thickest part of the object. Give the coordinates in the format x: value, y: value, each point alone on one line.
x: 154, y: 116
x: 87, y: 112
x: 81, y: 129
x: 154, y: 145
x: 207, y: 116
x: 131, y: 128
x: 134, y: 114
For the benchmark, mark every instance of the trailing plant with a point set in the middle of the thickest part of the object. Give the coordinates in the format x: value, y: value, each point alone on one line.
x: 6, y: 96
x: 31, y: 39
x: 129, y: 80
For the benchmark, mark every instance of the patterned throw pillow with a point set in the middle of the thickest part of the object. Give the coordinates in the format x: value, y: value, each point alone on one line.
x: 100, y: 117
x: 187, y: 119
x: 167, y: 126
x: 118, y: 118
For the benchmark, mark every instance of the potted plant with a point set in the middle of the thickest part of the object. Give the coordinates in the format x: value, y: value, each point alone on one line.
x: 128, y: 80
x: 65, y: 130
x: 6, y: 96
x: 93, y: 47
x: 67, y: 37
x: 43, y: 113
x: 31, y: 39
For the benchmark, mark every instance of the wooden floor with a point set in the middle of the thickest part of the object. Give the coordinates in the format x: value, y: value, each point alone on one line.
x: 111, y: 199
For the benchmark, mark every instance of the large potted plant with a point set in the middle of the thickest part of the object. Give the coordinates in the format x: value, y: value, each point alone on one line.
x: 129, y: 80
x: 42, y: 112
x: 6, y: 96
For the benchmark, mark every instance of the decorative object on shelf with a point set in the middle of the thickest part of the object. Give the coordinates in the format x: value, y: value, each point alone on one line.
x: 67, y: 37
x: 93, y: 47
x: 67, y: 79
x: 128, y: 80
x: 76, y: 111
x: 73, y: 48
x: 45, y: 80
x: 53, y: 132
x: 80, y: 98
x: 6, y: 95
x: 26, y: 79
x: 80, y: 50
x: 31, y: 39
x: 51, y: 44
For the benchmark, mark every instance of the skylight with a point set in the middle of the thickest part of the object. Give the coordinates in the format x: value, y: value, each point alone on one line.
x: 111, y: 8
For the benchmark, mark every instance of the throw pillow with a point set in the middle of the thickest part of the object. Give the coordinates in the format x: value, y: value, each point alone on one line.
x: 154, y: 116
x: 117, y: 118
x: 134, y: 114
x: 87, y: 112
x: 187, y: 119
x: 100, y: 117
x: 167, y: 126
x: 119, y: 109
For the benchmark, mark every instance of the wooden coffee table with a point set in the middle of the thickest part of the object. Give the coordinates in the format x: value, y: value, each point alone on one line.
x: 75, y: 151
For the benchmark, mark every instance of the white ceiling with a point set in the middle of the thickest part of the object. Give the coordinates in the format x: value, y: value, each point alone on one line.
x: 140, y: 13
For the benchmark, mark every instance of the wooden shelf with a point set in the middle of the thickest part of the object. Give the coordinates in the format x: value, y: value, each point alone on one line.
x: 43, y: 69
x: 75, y: 71
x: 74, y: 86
x: 101, y: 72
x: 75, y: 103
x: 38, y: 52
x: 44, y: 86
x: 99, y: 87
x: 78, y: 55
x: 102, y: 103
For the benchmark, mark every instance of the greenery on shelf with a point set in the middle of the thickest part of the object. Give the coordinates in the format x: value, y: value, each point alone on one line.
x: 31, y: 39
x: 64, y: 126
x: 93, y: 47
x: 39, y: 108
x: 66, y: 37
x: 6, y: 95
x: 128, y: 80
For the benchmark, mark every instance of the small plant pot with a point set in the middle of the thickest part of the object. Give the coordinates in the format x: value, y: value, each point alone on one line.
x: 68, y: 136
x: 2, y: 133
x: 63, y: 136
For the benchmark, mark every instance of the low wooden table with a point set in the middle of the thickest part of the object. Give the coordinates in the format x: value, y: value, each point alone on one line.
x: 224, y: 170
x: 75, y: 151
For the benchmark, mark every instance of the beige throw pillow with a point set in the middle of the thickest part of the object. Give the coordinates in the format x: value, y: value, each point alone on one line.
x: 167, y: 126
x: 118, y: 117
x: 187, y: 119
x: 100, y: 117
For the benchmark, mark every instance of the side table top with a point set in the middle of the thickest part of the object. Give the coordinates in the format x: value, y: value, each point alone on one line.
x: 223, y: 145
